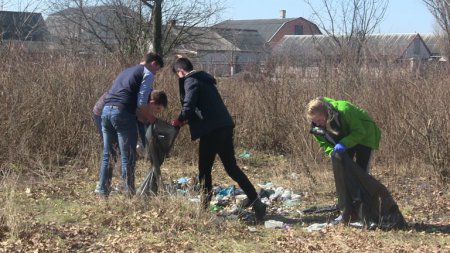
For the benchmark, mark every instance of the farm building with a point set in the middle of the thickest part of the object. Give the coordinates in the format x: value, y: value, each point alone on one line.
x: 23, y: 30
x: 92, y: 28
x: 273, y: 30
x: 307, y: 50
x: 224, y: 52
x: 23, y: 26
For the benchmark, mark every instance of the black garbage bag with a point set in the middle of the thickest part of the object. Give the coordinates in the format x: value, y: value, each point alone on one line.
x: 160, y: 138
x: 371, y: 199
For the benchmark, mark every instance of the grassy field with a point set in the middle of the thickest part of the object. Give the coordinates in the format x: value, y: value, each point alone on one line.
x: 50, y: 154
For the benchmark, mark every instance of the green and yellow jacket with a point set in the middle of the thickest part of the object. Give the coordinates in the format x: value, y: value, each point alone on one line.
x: 354, y: 126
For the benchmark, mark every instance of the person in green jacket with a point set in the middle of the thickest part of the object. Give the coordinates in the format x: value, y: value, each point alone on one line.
x: 339, y: 126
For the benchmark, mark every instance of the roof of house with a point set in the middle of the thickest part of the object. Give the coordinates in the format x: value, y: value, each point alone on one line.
x: 391, y: 45
x: 435, y: 43
x: 318, y: 46
x: 266, y: 27
x: 244, y: 40
x: 218, y: 39
x: 93, y: 10
x: 27, y: 26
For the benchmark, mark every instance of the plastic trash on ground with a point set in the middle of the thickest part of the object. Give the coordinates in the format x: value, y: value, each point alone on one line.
x: 316, y: 227
x: 245, y: 154
x: 273, y: 224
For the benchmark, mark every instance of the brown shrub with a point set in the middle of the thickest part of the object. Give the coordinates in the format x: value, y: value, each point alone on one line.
x: 46, y: 105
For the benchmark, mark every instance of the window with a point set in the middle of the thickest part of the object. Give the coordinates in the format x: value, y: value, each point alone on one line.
x: 298, y: 30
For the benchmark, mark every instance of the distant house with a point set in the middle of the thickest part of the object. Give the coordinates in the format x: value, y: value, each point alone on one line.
x: 378, y: 47
x: 92, y: 28
x: 437, y: 46
x: 273, y: 30
x: 22, y: 26
x: 396, y: 47
x: 224, y: 52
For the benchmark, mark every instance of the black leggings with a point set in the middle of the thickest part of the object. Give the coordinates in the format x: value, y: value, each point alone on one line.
x: 220, y: 141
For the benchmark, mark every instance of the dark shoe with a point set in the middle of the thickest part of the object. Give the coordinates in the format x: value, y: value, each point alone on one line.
x: 260, y: 209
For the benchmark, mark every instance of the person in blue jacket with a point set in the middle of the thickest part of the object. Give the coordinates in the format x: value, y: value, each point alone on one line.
x: 209, y: 120
x: 129, y: 94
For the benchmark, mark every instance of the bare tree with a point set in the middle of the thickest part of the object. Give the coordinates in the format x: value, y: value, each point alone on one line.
x: 135, y: 26
x: 348, y: 22
x: 156, y: 7
x: 112, y: 25
x: 186, y: 21
x: 440, y: 9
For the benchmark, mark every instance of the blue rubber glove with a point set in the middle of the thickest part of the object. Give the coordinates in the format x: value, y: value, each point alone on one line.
x: 339, y: 148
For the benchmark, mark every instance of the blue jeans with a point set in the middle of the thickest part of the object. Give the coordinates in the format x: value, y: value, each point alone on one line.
x: 98, y: 125
x: 118, y: 124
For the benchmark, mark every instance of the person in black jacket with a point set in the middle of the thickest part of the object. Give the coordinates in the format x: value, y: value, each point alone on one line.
x: 208, y: 118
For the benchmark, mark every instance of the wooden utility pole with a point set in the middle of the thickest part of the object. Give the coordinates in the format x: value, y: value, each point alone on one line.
x: 156, y: 7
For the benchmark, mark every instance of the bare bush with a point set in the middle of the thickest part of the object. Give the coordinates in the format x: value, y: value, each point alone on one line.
x: 46, y: 110
x: 46, y: 106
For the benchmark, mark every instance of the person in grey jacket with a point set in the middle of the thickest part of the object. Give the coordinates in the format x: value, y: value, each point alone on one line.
x: 209, y: 120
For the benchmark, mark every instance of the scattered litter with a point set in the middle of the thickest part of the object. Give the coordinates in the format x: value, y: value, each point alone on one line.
x: 183, y: 181
x: 356, y: 224
x: 322, y: 209
x: 195, y: 200
x: 245, y: 154
x: 270, y: 194
x: 227, y: 191
x: 215, y: 208
x: 266, y: 185
x: 317, y: 227
x: 273, y: 224
x: 230, y: 202
x: 252, y: 229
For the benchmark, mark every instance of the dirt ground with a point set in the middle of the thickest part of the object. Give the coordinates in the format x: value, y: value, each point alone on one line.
x: 59, y: 212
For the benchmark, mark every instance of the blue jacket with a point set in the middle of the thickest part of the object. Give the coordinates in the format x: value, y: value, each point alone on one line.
x: 125, y: 89
x: 202, y: 105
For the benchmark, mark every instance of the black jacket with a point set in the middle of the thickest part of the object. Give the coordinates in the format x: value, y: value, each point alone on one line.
x: 202, y: 105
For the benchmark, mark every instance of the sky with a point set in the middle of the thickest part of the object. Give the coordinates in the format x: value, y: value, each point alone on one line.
x: 402, y: 16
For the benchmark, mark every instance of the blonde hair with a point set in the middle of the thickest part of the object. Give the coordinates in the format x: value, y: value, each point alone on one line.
x: 320, y: 106
x: 316, y: 106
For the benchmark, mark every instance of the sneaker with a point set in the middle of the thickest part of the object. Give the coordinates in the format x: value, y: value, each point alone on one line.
x: 260, y: 209
x: 100, y: 194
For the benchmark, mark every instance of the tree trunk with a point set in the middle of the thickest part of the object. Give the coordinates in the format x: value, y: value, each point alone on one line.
x: 157, y: 27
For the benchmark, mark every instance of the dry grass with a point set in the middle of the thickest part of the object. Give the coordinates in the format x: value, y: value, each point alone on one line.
x: 49, y: 159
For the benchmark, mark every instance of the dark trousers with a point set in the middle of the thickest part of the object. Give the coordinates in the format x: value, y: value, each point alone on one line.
x: 220, y: 141
x: 361, y: 155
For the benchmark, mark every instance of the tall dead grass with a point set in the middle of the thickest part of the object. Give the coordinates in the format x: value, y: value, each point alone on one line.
x: 46, y: 104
